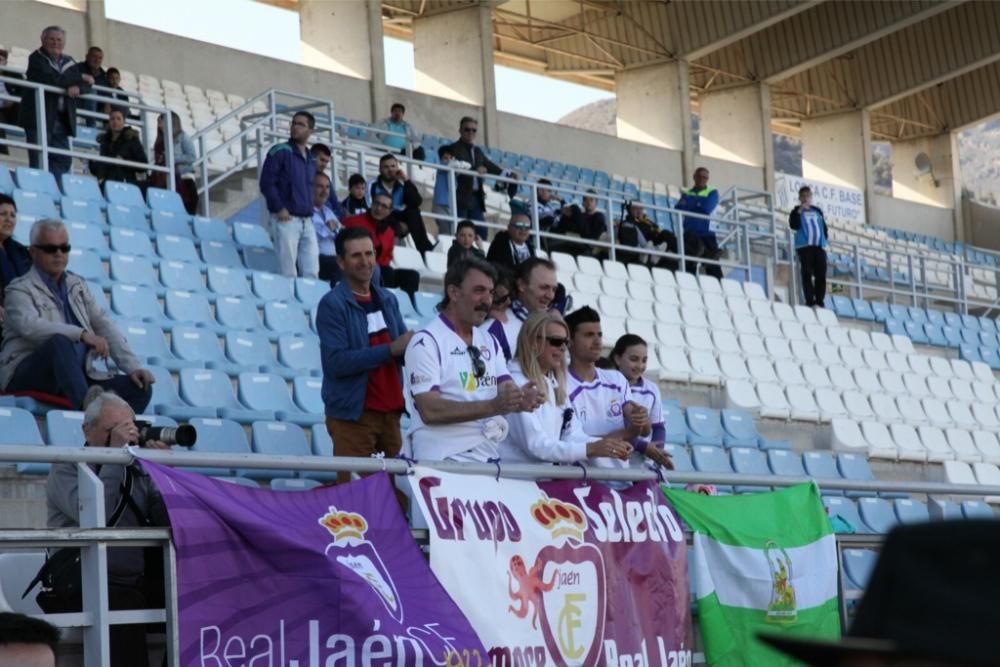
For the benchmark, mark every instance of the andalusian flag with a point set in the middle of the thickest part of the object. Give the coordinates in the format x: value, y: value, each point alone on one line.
x: 762, y: 563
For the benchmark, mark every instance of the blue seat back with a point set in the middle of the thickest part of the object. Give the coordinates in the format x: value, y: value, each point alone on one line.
x: 64, y: 428
x: 322, y: 444
x: 911, y: 511
x: 284, y: 484
x: 309, y: 291
x: 272, y: 287
x: 171, y: 246
x: 34, y: 205
x: 129, y: 217
x: 786, y: 463
x: 299, y: 352
x: 165, y: 200
x: 179, y: 275
x: 749, y: 461
x: 190, y: 307
x: 739, y: 425
x: 710, y: 459
x: 194, y: 344
x: 220, y: 253
x: 265, y: 391
x: 6, y: 180
x: 705, y: 426
x: 204, y: 386
x: 858, y: 565
x: 220, y: 436
x: 131, y: 242
x: 260, y: 259
x: 133, y: 270
x: 164, y: 389
x: 674, y: 423
x: 135, y: 301
x: 248, y: 234
x: 427, y: 303
x: 82, y: 210
x: 248, y: 348
x: 237, y: 313
x: 211, y: 229
x: 225, y: 281
x: 84, y: 235
x: 854, y: 467
x: 37, y: 180
x: 680, y: 456
x: 168, y: 222
x: 80, y: 186
x: 146, y: 340
x: 977, y: 509
x: 86, y: 264
x: 847, y: 510
x: 306, y: 392
x: 820, y: 465
x: 878, y: 514
x: 279, y: 439
x: 284, y: 317
x: 126, y: 194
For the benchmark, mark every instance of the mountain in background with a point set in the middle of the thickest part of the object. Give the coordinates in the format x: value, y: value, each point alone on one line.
x: 979, y: 150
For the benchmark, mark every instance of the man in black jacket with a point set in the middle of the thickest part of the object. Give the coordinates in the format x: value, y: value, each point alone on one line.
x: 470, y: 197
x: 512, y: 247
x: 49, y: 65
x: 406, y: 201
x: 8, y: 108
x: 92, y: 66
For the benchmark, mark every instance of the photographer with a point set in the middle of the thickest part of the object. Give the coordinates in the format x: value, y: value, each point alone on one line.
x: 135, y: 576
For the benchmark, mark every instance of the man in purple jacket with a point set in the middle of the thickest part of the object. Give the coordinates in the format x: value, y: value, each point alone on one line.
x: 286, y: 181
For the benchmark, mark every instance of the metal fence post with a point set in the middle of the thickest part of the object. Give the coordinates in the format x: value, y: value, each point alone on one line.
x: 93, y: 569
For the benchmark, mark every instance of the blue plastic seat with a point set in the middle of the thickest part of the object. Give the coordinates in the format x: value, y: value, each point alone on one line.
x: 914, y: 330
x: 987, y: 324
x: 272, y: 287
x: 79, y: 186
x: 165, y: 400
x: 235, y: 312
x: 284, y: 318
x: 220, y: 253
x: 248, y: 234
x: 37, y: 180
x: 410, y: 315
x: 977, y: 509
x: 207, y: 386
x: 704, y: 427
x: 970, y: 336
x: 181, y: 276
x: 219, y: 436
x: 971, y: 322
x: 250, y: 349
x: 277, y: 439
x: 879, y: 310
x: 877, y: 514
x: 935, y: 336
x: 858, y: 566
x: 969, y: 353
x: 84, y: 235
x: 943, y: 509
x: 822, y: 466
x: 712, y: 459
x: 680, y: 456
x: 917, y: 314
x: 266, y: 391
x: 168, y: 222
x: 855, y: 467
x: 309, y: 291
x: 952, y: 336
x: 260, y: 259
x: 306, y: 394
x: 238, y: 481
x: 6, y: 180
x: 35, y: 205
x: 987, y: 338
x: 846, y: 510
x: 189, y: 307
x: 165, y: 200
x: 18, y: 427
x: 125, y: 194
x: 739, y: 429
x: 148, y: 342
x: 299, y: 353
x: 128, y: 217
x: 211, y: 229
x: 674, y: 424
x: 133, y: 270
x: 224, y: 281
x: 99, y: 297
x: 87, y: 265
x: 285, y: 484
x: 202, y: 346
x: 749, y: 461
x: 990, y: 357
x: 427, y: 303
x: 169, y: 246
x: 131, y: 242
x: 785, y: 463
x: 911, y: 511
x: 953, y: 320
x: 82, y: 210
x: 64, y: 428
x: 136, y: 302
x: 841, y: 305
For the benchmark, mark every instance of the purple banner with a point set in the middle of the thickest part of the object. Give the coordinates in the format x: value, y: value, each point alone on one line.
x: 330, y: 576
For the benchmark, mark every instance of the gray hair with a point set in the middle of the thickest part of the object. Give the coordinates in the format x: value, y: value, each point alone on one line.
x: 94, y: 406
x: 46, y: 225
x: 53, y: 28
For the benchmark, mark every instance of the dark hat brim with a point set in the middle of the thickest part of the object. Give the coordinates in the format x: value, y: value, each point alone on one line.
x: 822, y: 653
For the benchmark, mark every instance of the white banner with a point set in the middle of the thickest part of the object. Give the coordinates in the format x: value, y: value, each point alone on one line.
x: 837, y: 202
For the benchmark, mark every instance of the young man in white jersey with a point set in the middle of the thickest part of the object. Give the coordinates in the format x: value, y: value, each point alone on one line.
x: 601, y: 398
x: 459, y: 385
x: 535, y: 287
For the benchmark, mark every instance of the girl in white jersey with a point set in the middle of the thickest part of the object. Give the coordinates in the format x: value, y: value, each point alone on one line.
x: 629, y: 357
x: 553, y: 432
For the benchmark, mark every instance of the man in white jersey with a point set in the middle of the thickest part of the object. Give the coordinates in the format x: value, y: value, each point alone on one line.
x: 459, y: 385
x: 535, y: 290
x: 601, y: 398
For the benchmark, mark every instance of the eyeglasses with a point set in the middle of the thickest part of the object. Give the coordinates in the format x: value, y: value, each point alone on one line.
x: 52, y: 248
x: 478, y: 365
x: 556, y: 341
x: 470, y: 129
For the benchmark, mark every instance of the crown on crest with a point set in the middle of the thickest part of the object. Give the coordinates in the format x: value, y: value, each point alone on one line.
x: 559, y: 518
x: 343, y: 525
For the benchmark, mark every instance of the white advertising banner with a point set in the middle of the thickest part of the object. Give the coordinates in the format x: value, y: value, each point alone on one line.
x: 837, y: 202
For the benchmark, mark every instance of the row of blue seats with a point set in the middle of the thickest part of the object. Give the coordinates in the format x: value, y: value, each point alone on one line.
x: 879, y: 515
x: 878, y: 311
x: 714, y: 428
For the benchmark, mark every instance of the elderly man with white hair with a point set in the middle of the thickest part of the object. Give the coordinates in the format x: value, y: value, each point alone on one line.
x: 55, y: 331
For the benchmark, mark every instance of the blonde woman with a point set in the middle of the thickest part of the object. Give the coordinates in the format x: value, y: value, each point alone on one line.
x: 552, y: 432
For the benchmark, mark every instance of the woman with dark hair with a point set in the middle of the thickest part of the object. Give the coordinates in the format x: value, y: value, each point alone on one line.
x: 122, y: 142
x: 184, y: 157
x: 14, y: 257
x: 629, y: 357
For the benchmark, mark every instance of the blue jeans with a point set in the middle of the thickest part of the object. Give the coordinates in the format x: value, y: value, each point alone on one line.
x: 57, y: 368
x: 475, y: 213
x: 58, y: 138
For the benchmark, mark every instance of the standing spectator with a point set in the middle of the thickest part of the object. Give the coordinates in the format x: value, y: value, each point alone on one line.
x: 49, y: 65
x: 378, y: 224
x: 184, y: 157
x: 121, y: 142
x: 513, y: 246
x: 114, y: 82
x: 14, y: 257
x: 54, y: 331
x: 459, y: 383
x: 535, y: 289
x: 810, y: 245
x: 286, y: 181
x: 406, y: 201
x: 355, y: 203
x: 402, y: 133
x: 699, y: 239
x: 362, y: 340
x: 466, y: 245
x: 92, y: 66
x: 630, y: 356
x: 588, y: 223
x: 469, y: 194
x: 441, y: 204
x: 27, y: 641
x: 9, y: 109
x: 324, y: 156
x: 326, y: 225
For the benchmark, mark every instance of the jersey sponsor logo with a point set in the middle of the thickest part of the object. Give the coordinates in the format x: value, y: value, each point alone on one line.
x: 471, y: 383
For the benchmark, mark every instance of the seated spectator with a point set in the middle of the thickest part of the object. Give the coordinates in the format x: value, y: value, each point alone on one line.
x: 638, y: 230
x: 133, y: 581
x: 114, y: 81
x: 323, y: 157
x: 552, y: 432
x: 54, y: 331
x: 15, y: 260
x: 458, y: 378
x: 356, y: 201
x: 184, y: 157
x: 629, y: 357
x: 402, y: 133
x: 699, y: 239
x: 466, y: 245
x: 378, y: 223
x: 442, y: 194
x: 9, y: 108
x: 327, y: 225
x: 535, y: 288
x: 92, y: 66
x: 406, y: 201
x: 512, y: 246
x: 121, y: 142
x: 548, y: 205
x: 602, y: 398
x: 503, y: 293
x: 588, y: 223
x: 27, y: 641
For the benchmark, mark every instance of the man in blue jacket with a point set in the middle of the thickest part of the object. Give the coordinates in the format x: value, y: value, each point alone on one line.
x: 810, y: 245
x: 699, y: 239
x: 286, y: 181
x: 362, y: 339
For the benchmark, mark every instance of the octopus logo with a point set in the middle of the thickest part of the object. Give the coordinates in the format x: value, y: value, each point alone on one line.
x: 565, y: 589
x: 359, y: 556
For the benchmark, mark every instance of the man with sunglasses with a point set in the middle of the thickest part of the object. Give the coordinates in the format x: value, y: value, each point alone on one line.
x: 459, y: 386
x: 54, y: 330
x: 470, y: 197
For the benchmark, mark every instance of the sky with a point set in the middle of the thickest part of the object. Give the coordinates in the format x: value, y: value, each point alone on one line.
x: 274, y: 32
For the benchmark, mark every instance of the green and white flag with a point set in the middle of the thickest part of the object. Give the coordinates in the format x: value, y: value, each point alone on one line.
x: 762, y: 562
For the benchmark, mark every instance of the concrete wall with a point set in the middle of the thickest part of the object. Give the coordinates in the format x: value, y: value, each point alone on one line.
x: 912, y: 217
x: 983, y: 224
x: 725, y: 174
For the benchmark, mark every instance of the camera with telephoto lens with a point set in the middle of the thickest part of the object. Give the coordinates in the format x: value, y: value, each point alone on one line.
x: 183, y: 435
